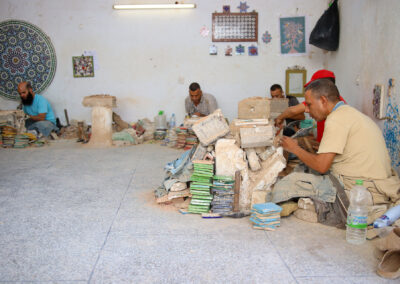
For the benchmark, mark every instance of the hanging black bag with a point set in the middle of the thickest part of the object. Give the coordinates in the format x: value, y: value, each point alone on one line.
x: 325, y: 34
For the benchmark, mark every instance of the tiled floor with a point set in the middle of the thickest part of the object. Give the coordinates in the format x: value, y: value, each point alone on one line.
x: 69, y: 214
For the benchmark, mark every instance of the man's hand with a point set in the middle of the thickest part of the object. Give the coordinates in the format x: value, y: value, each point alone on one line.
x: 279, y: 124
x: 39, y: 117
x: 289, y: 144
x: 198, y: 114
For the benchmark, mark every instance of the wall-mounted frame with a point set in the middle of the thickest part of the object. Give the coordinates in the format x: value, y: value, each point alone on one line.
x: 295, y: 81
x: 235, y: 27
x: 83, y: 66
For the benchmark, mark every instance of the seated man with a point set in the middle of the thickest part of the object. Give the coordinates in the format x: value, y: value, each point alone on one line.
x: 294, y: 111
x: 277, y: 93
x: 199, y: 103
x: 41, y: 116
x: 352, y: 147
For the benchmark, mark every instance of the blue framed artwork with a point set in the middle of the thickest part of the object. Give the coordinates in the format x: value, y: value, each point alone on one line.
x: 293, y: 35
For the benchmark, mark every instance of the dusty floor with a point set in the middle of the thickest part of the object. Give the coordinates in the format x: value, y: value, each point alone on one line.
x: 75, y: 215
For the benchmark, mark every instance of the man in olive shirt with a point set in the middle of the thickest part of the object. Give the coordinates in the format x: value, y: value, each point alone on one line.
x: 199, y: 103
x: 352, y: 147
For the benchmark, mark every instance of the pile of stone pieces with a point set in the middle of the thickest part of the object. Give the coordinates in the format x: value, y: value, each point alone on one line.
x: 266, y: 216
x: 247, y: 145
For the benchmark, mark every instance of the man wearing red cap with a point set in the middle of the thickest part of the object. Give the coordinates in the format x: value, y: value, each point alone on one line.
x: 294, y: 111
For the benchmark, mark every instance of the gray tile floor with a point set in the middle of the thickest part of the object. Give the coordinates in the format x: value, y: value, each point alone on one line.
x: 69, y: 214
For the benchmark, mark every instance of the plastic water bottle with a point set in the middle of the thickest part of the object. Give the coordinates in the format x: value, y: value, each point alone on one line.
x: 172, y: 122
x: 388, y: 218
x: 360, y: 201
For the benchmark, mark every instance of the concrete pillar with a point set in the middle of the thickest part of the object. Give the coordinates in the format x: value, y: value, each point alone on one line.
x: 101, y: 119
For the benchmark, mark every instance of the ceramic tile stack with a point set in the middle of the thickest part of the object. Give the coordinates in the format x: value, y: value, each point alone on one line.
x: 191, y: 139
x: 21, y: 141
x: 222, y: 190
x: 201, y: 181
x: 266, y: 216
x: 8, y: 136
x: 181, y: 141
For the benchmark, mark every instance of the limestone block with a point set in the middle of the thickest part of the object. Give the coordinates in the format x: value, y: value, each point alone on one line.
x: 258, y: 197
x: 260, y: 150
x: 267, y: 153
x: 253, y: 159
x: 229, y: 159
x: 236, y: 124
x: 200, y: 152
x: 211, y: 127
x: 271, y: 168
x: 254, y: 107
x: 278, y: 105
x: 101, y: 127
x: 306, y: 215
x: 288, y: 208
x: 306, y: 204
x: 100, y: 100
x: 178, y: 186
x: 257, y: 136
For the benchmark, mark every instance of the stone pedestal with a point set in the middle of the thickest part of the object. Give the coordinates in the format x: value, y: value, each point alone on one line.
x: 101, y: 119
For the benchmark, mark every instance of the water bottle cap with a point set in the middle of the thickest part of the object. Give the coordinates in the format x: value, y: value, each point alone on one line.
x: 359, y: 182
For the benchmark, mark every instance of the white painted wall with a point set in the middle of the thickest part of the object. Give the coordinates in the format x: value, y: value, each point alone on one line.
x: 148, y: 58
x: 369, y: 50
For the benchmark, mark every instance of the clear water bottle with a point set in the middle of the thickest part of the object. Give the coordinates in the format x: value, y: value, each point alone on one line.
x: 357, y: 215
x: 172, y: 121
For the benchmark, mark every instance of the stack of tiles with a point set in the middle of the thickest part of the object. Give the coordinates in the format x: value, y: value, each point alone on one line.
x: 200, y: 186
x: 191, y: 139
x: 8, y: 136
x: 21, y: 141
x: 181, y: 140
x: 222, y: 189
x: 266, y: 216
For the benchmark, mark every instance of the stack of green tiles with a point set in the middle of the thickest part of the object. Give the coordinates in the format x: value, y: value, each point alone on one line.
x: 201, y: 181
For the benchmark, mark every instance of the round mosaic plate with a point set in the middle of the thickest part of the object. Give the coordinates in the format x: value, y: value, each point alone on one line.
x: 26, y: 54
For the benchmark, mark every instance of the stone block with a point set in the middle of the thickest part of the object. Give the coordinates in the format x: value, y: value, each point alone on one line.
x: 306, y: 204
x: 306, y: 215
x: 200, y: 152
x: 267, y: 153
x: 269, y: 172
x: 236, y: 124
x: 211, y: 128
x: 257, y: 136
x: 252, y: 158
x: 178, y: 186
x: 100, y: 100
x: 229, y: 159
x: 278, y: 105
x: 288, y: 208
x: 254, y: 107
x: 258, y: 197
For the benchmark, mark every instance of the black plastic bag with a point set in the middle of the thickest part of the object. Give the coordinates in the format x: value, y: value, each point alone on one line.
x: 325, y: 34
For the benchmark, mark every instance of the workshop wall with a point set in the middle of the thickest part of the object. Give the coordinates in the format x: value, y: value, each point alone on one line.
x: 148, y: 58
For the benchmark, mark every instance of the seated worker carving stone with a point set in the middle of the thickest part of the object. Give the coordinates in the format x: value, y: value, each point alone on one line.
x: 199, y: 103
x: 351, y: 148
x: 41, y: 115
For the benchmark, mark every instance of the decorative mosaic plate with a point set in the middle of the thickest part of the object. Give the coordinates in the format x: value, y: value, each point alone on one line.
x: 26, y: 54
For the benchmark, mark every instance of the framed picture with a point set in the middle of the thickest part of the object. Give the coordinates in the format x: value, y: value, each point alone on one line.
x: 83, y: 66
x: 235, y: 27
x: 295, y: 81
x: 293, y: 35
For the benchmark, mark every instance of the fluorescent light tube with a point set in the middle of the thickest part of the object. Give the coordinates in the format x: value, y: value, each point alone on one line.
x: 153, y: 6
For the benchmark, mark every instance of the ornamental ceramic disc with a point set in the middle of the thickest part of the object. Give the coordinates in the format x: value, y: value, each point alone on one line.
x: 26, y: 54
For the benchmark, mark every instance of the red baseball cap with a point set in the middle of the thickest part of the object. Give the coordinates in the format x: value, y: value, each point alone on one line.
x: 321, y: 74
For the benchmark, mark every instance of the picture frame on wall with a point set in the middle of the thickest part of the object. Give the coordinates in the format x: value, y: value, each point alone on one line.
x: 83, y: 66
x: 295, y: 81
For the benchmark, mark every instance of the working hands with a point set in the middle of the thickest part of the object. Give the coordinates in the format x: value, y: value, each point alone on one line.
x: 278, y: 125
x: 289, y: 144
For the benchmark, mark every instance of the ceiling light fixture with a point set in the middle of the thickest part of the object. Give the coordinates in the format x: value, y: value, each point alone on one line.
x: 153, y: 6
